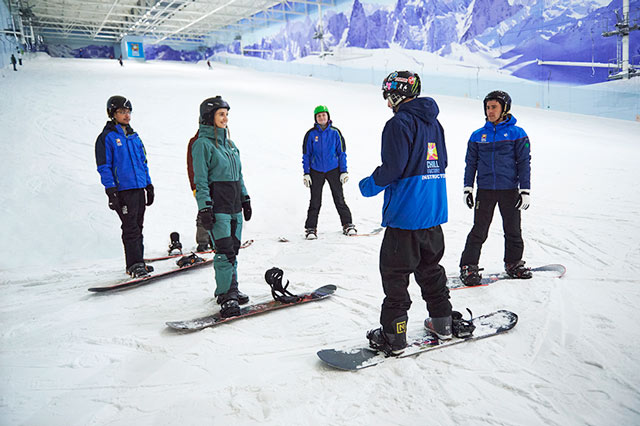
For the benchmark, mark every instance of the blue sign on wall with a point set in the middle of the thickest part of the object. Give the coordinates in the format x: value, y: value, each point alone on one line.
x: 135, y: 50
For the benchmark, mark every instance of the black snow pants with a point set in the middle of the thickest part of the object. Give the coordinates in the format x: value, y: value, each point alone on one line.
x: 131, y: 213
x: 317, y: 182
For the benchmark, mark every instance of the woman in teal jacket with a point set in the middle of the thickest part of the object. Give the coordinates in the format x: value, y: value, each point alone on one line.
x: 222, y: 199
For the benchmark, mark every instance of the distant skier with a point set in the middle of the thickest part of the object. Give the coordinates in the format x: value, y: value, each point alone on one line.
x: 122, y: 164
x: 324, y: 157
x: 14, y: 62
x: 412, y: 174
x: 203, y: 240
x: 222, y: 199
x: 20, y: 57
x: 120, y: 61
x: 209, y: 64
x: 499, y: 153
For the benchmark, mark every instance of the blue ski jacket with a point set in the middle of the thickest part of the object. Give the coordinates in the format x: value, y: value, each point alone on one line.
x: 324, y: 150
x: 121, y: 158
x: 500, y: 155
x: 412, y: 174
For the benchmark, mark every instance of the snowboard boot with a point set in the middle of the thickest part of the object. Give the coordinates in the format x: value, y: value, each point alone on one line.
x: 441, y: 327
x: 202, y: 248
x: 229, y: 308
x: 243, y: 299
x: 175, y: 243
x: 518, y: 270
x: 311, y: 234
x: 139, y: 270
x: 391, y: 343
x: 349, y: 229
x: 470, y: 275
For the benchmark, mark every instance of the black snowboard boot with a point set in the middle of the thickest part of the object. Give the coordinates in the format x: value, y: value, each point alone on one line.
x: 311, y: 233
x: 349, y: 229
x: 392, y: 341
x: 202, y: 248
x: 470, y: 275
x: 441, y: 327
x: 139, y: 270
x: 243, y: 299
x: 518, y: 270
x: 229, y: 308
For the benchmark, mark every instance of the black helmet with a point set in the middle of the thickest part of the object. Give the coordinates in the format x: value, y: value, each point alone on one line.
x: 208, y: 109
x: 116, y: 102
x: 400, y: 85
x: 503, y: 99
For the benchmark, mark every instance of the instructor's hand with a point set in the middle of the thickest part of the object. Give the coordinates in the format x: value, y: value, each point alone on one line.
x: 524, y: 199
x: 307, y: 180
x: 114, y: 202
x: 150, y: 194
x: 468, y: 196
x: 344, y: 177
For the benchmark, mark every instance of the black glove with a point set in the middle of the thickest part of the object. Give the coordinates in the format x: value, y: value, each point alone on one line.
x: 246, y: 208
x: 468, y: 196
x: 112, y: 193
x: 207, y: 218
x: 150, y: 194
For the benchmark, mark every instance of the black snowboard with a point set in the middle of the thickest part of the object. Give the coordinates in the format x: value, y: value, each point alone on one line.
x: 363, y: 357
x: 137, y: 282
x: 554, y: 270
x: 216, y: 319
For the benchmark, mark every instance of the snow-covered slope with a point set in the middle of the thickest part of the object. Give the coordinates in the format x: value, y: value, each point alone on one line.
x: 68, y: 357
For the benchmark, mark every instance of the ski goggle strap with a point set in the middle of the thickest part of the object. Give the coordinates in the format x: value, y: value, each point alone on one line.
x: 273, y: 277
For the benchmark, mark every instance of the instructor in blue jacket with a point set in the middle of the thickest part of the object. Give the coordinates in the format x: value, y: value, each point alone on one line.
x: 499, y: 155
x: 122, y: 164
x: 412, y: 176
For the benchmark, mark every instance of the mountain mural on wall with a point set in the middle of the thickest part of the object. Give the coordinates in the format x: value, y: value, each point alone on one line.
x: 516, y: 33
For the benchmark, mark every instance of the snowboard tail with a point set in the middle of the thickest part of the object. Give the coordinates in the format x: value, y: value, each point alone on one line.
x: 246, y: 311
x: 363, y: 357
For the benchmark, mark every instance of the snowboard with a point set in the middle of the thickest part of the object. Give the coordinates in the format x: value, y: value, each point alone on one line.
x: 246, y: 311
x: 363, y: 357
x: 137, y: 282
x: 374, y: 232
x: 173, y: 256
x: 554, y: 270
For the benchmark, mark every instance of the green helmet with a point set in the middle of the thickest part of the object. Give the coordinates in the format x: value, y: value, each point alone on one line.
x: 319, y: 109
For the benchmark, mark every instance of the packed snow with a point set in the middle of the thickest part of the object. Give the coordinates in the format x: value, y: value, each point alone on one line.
x: 71, y: 357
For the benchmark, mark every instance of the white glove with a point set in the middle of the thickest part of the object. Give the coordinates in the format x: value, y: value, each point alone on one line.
x: 307, y: 181
x: 344, y: 177
x: 524, y: 199
x: 468, y: 196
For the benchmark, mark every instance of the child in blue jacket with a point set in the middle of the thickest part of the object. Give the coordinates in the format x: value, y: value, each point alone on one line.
x: 122, y: 164
x: 324, y: 158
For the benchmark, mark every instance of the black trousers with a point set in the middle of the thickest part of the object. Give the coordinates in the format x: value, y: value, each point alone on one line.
x: 131, y: 213
x: 404, y: 252
x: 486, y: 201
x: 317, y: 182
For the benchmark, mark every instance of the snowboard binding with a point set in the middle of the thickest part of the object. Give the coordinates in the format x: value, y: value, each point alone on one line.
x: 273, y: 277
x: 189, y: 260
x: 175, y: 243
x: 462, y: 328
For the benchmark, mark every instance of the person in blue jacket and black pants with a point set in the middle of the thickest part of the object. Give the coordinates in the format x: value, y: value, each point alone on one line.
x: 324, y: 158
x: 122, y: 164
x: 499, y: 155
x: 412, y: 176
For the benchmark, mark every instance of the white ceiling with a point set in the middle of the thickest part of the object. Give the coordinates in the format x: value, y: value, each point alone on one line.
x: 171, y: 20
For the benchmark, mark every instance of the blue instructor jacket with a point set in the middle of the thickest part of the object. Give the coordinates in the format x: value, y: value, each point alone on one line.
x: 412, y: 174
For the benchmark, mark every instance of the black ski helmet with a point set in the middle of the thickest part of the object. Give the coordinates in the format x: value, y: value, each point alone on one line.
x: 503, y: 99
x: 401, y: 85
x: 116, y: 102
x: 208, y: 109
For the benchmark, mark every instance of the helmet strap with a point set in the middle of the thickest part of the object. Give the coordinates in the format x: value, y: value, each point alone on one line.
x: 395, y: 99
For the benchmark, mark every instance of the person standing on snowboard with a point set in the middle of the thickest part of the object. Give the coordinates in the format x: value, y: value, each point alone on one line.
x: 324, y: 158
x: 222, y: 199
x: 499, y: 155
x: 412, y: 176
x: 122, y: 165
